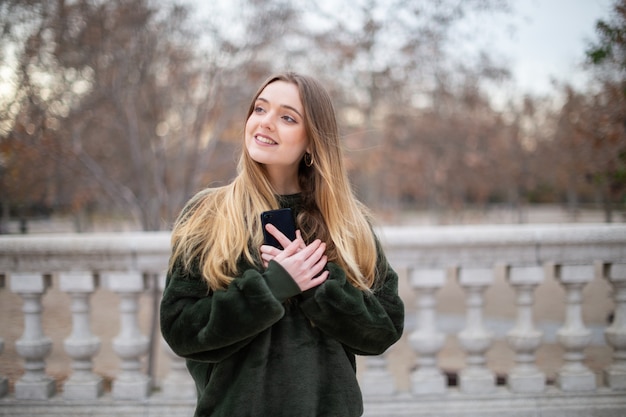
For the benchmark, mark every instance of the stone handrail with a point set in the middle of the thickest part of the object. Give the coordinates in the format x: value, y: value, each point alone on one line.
x: 481, y: 262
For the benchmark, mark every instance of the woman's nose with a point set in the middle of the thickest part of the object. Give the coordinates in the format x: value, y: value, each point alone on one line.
x: 267, y: 121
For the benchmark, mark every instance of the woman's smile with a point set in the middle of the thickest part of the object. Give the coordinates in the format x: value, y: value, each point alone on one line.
x: 264, y: 139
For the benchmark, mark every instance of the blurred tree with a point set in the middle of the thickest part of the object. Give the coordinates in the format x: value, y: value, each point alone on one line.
x: 456, y: 152
x: 131, y: 106
x: 604, y: 123
x: 570, y: 150
x: 27, y: 177
x: 139, y: 107
x: 388, y: 59
x: 611, y: 46
x: 126, y: 96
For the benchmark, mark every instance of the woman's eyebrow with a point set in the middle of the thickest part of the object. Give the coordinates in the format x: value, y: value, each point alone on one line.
x: 286, y: 106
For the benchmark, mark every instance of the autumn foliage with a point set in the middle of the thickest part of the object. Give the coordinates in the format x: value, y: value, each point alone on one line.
x: 130, y: 106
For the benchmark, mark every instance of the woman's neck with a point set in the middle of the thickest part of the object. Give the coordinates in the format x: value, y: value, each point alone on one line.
x: 283, y: 183
x: 286, y: 189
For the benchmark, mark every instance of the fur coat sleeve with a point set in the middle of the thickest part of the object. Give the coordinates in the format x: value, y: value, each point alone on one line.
x: 209, y: 326
x: 367, y: 323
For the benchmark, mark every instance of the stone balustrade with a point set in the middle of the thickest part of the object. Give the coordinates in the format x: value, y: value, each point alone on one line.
x: 475, y: 342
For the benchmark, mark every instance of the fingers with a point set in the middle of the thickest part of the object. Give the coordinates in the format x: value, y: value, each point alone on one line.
x: 305, y: 263
x: 312, y: 283
x: 281, y: 238
x: 314, y: 274
x: 306, y: 267
x: 270, y: 252
x: 307, y: 256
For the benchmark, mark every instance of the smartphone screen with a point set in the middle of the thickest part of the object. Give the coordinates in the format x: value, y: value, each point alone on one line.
x: 283, y: 220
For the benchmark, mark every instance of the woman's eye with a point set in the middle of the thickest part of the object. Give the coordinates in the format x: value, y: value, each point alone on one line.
x: 258, y: 109
x: 289, y: 119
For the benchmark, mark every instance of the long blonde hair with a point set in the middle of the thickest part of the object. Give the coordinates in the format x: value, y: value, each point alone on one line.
x: 221, y: 227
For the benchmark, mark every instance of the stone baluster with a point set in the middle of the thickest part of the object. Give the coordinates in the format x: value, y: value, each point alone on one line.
x: 4, y: 382
x: 33, y: 346
x: 130, y: 345
x: 376, y: 379
x: 573, y: 335
x: 524, y: 338
x: 178, y: 382
x: 615, y: 334
x: 426, y: 340
x: 81, y: 345
x: 475, y: 339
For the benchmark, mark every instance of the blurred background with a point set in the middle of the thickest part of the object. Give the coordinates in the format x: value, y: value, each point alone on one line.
x: 114, y: 113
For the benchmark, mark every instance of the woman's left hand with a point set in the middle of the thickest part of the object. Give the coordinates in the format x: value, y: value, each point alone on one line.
x: 305, y: 263
x: 270, y: 252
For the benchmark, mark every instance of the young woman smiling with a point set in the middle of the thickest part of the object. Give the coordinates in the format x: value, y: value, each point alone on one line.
x: 269, y: 331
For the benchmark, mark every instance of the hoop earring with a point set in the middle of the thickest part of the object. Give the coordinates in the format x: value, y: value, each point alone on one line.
x: 308, y: 159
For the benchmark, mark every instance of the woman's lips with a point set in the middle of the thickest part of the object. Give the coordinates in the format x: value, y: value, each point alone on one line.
x: 264, y: 139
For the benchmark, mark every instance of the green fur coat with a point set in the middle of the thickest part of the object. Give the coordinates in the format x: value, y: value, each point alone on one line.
x: 262, y: 348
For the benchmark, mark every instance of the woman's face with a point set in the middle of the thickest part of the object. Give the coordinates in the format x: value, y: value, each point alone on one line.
x: 275, y: 132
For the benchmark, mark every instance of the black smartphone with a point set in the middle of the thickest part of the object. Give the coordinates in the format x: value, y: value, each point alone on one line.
x: 283, y: 220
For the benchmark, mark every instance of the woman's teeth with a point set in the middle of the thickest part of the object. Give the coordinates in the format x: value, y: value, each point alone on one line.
x: 265, y: 140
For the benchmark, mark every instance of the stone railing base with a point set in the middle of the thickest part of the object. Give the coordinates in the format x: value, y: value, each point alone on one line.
x: 501, y: 403
x: 105, y: 406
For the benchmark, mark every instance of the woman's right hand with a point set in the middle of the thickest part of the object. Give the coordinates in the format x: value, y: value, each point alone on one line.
x: 305, y: 263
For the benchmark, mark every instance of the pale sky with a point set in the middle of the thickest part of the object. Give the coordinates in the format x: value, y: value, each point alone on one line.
x: 538, y: 40
x: 549, y: 40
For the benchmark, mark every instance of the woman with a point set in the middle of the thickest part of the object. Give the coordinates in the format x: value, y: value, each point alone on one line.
x: 268, y: 331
